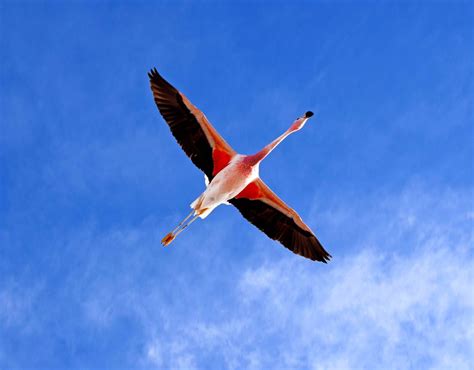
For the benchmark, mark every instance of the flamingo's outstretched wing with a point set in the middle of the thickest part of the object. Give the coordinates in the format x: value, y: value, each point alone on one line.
x: 201, y: 142
x: 263, y: 208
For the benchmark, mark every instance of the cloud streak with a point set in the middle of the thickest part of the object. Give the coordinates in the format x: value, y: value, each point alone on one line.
x: 408, y: 307
x: 400, y: 297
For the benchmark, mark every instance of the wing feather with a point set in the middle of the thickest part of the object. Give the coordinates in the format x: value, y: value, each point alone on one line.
x: 190, y: 127
x: 264, y: 209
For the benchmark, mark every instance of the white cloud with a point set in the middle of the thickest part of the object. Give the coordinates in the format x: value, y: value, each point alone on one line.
x: 399, y: 298
x: 415, y: 311
x: 373, y: 308
x: 173, y: 354
x: 17, y: 305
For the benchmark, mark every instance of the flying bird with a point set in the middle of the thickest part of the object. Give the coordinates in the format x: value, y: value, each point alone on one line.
x: 232, y: 177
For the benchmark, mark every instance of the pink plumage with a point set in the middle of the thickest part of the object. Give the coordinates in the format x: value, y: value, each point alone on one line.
x: 233, y: 178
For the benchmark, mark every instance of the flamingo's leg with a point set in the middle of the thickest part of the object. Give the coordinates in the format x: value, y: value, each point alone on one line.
x: 178, y: 229
x: 186, y: 225
x: 182, y: 222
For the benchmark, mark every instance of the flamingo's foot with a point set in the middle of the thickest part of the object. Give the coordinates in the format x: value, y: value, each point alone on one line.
x: 168, y: 239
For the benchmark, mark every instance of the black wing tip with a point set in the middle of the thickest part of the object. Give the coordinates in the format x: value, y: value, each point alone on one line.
x: 159, y: 82
x: 154, y: 75
x: 325, y: 258
x: 315, y: 253
x: 310, y: 248
x: 322, y: 255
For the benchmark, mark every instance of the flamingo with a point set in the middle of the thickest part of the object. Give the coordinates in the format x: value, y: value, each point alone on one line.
x: 232, y: 178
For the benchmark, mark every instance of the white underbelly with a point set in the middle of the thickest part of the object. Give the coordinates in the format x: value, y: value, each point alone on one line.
x: 226, y: 185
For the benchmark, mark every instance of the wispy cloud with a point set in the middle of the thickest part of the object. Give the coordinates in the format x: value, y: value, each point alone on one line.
x: 398, y: 312
x: 406, y: 307
x: 400, y: 297
x: 17, y: 305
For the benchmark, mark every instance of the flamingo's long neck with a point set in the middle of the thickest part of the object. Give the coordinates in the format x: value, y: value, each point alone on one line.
x: 258, y: 157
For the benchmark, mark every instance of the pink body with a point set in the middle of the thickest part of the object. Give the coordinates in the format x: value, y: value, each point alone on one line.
x: 236, y: 175
x: 234, y: 178
x: 229, y: 182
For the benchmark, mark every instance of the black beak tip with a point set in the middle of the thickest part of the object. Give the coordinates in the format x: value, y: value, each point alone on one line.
x: 309, y: 114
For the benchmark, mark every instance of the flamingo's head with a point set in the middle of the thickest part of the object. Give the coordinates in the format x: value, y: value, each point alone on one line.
x: 299, y: 122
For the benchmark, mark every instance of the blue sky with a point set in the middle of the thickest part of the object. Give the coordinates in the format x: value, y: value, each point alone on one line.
x: 91, y: 179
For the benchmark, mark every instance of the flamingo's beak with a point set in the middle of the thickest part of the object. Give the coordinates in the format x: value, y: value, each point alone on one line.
x: 308, y: 114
